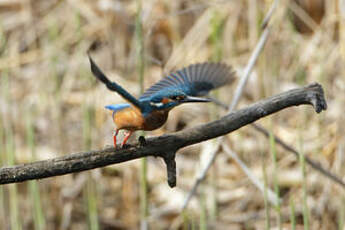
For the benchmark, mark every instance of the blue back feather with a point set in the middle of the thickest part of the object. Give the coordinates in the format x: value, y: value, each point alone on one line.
x: 117, y: 107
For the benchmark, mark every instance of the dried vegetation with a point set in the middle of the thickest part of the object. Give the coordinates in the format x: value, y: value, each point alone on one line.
x: 51, y: 105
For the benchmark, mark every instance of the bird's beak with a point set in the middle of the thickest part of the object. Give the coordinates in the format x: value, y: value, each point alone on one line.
x: 194, y: 99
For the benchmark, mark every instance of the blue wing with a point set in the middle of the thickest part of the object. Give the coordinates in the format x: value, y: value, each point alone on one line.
x: 194, y: 80
x: 113, y: 86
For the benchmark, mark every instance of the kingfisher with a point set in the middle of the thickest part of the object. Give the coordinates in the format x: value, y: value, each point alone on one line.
x: 150, y: 111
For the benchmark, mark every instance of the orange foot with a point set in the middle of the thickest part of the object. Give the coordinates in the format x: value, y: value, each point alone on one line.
x: 127, y: 135
x: 116, y: 131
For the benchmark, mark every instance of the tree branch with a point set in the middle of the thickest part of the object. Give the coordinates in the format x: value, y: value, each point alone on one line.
x: 166, y: 145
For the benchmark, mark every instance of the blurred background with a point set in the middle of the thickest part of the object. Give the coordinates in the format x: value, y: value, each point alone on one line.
x: 51, y: 105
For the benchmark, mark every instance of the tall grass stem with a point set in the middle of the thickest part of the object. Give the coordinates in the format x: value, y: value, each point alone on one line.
x: 38, y: 216
x: 141, y: 69
x: 275, y: 177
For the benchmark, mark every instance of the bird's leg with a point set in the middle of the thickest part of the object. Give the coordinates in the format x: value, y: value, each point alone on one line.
x: 127, y: 135
x: 116, y: 131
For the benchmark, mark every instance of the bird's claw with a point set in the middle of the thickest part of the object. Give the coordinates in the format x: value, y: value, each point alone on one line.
x: 125, y: 146
x: 142, y: 141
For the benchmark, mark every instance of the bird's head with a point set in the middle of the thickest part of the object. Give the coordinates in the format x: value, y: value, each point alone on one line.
x: 168, y: 99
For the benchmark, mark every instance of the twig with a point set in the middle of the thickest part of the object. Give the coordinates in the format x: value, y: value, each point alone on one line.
x: 201, y: 176
x: 287, y: 147
x: 169, y: 160
x: 304, y: 16
x: 270, y: 194
x: 249, y: 68
x: 309, y: 161
x: 234, y: 102
x: 159, y: 146
x: 269, y: 14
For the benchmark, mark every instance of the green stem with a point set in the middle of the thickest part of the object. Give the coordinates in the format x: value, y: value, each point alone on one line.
x: 39, y: 221
x: 217, y: 28
x: 140, y: 46
x: 91, y: 194
x: 141, y: 68
x: 267, y: 205
x: 216, y: 25
x: 203, y: 213
x: 10, y: 156
x: 292, y: 215
x: 275, y: 176
x: 90, y: 190
x: 13, y: 200
x: 341, y: 214
x: 304, y: 186
x: 185, y: 220
x: 2, y: 162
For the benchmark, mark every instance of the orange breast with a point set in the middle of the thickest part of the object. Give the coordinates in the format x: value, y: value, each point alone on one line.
x: 129, y: 118
x: 132, y: 119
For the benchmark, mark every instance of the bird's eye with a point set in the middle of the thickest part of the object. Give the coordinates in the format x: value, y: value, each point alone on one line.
x: 177, y: 98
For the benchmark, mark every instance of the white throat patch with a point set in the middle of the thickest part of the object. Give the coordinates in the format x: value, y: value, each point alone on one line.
x: 160, y: 104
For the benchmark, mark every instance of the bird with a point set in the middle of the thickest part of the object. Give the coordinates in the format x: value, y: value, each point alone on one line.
x: 150, y: 111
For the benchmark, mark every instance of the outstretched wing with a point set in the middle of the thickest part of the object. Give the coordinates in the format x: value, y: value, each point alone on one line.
x: 194, y: 80
x: 113, y: 86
